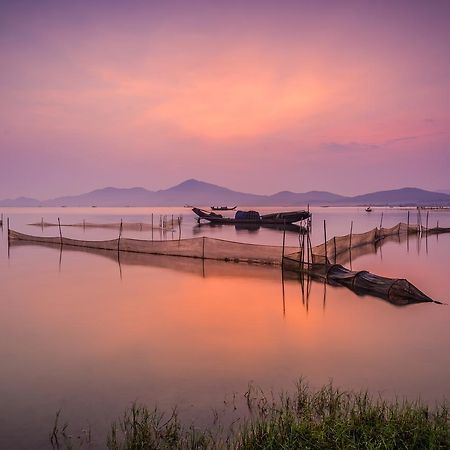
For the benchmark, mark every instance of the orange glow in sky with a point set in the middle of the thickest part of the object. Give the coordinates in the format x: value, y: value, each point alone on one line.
x: 152, y: 95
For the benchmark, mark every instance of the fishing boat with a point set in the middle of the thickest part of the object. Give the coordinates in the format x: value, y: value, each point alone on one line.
x: 253, y: 217
x: 223, y: 208
x: 369, y: 209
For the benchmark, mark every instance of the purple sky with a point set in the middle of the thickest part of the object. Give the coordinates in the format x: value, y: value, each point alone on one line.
x: 260, y: 96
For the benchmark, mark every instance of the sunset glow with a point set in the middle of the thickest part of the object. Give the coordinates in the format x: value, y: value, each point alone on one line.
x: 151, y: 94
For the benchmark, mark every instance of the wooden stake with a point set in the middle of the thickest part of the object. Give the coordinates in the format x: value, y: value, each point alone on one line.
x: 335, y: 252
x: 311, y: 256
x: 7, y: 224
x: 351, y: 232
x: 407, y: 228
x: 428, y: 214
x: 381, y: 221
x: 284, y: 241
x: 325, y: 236
x: 60, y: 232
x: 120, y: 235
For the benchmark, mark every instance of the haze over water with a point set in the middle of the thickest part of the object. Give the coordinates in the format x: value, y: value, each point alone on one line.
x: 82, y: 333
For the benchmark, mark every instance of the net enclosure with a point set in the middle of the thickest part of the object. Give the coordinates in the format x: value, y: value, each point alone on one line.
x: 322, y: 261
x: 200, y: 247
x: 163, y: 223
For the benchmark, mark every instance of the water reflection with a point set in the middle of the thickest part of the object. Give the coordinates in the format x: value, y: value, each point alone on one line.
x: 292, y: 228
x: 202, y: 267
x: 91, y: 331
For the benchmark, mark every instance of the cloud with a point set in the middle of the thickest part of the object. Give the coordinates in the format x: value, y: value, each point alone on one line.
x: 348, y: 146
x: 367, y: 146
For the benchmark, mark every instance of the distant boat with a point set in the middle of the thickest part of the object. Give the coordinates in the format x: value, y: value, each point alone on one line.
x: 369, y: 209
x: 223, y: 208
x: 253, y: 217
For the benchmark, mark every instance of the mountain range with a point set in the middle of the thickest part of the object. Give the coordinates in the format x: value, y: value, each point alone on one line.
x: 194, y: 192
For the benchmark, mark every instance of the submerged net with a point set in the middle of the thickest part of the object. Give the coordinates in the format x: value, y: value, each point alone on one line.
x: 325, y: 261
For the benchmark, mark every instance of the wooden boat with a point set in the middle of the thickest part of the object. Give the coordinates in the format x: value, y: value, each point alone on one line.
x: 253, y: 217
x: 223, y: 208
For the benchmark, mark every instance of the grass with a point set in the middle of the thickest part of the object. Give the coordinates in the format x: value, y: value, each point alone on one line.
x: 327, y: 418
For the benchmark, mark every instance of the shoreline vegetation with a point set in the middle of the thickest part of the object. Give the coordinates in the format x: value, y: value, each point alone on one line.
x: 327, y: 418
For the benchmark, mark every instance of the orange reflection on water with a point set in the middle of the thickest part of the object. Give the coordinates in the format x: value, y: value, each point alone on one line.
x: 82, y: 332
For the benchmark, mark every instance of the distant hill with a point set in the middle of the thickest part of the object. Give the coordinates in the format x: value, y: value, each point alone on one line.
x: 194, y: 192
x: 20, y: 201
x: 405, y: 196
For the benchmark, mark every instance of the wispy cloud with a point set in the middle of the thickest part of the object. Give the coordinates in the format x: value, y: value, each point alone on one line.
x: 367, y: 146
x: 348, y: 146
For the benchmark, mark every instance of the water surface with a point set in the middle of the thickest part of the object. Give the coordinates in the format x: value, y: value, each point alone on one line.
x: 82, y: 333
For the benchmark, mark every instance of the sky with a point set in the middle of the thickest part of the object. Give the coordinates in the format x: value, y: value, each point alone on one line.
x: 258, y: 96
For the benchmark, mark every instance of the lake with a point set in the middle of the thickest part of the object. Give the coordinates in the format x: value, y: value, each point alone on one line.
x: 88, y: 333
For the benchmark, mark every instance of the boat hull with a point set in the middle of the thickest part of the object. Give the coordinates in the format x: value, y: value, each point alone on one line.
x: 268, y: 219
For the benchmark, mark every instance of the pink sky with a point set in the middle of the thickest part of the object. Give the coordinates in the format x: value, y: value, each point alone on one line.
x: 349, y: 97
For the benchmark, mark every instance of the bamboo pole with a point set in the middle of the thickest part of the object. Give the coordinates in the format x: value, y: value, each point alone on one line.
x: 305, y: 249
x: 335, y: 251
x: 60, y: 232
x: 310, y: 256
x: 7, y: 225
x: 351, y: 232
x: 120, y: 235
x: 381, y: 221
x: 428, y: 214
x: 152, y: 227
x: 407, y: 228
x: 325, y: 236
x: 284, y: 241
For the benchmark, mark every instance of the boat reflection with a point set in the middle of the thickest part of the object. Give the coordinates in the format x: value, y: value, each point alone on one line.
x: 293, y: 228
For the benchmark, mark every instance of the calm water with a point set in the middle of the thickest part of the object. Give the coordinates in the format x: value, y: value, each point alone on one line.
x: 81, y: 333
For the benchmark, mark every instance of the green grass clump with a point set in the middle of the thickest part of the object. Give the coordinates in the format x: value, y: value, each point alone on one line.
x: 305, y: 419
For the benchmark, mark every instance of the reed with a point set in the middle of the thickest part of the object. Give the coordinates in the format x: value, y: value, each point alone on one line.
x: 327, y: 418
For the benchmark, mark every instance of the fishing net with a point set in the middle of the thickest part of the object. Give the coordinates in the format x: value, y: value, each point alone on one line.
x: 163, y: 223
x: 316, y: 261
x: 201, y: 247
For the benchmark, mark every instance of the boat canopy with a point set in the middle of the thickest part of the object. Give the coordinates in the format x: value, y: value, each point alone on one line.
x: 247, y: 215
